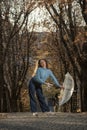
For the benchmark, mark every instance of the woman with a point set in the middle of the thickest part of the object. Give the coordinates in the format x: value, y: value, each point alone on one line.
x: 35, y: 86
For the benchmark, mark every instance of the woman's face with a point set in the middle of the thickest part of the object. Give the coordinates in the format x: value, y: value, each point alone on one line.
x: 43, y: 63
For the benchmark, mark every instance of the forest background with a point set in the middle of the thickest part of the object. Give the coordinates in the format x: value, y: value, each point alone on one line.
x: 58, y: 34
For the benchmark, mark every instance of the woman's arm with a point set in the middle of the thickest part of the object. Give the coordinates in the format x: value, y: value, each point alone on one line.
x: 54, y: 79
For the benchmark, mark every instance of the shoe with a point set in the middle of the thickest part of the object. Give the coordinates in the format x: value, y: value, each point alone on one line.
x: 35, y: 114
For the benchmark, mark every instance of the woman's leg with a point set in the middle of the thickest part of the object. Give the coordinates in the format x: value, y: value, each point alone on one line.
x: 32, y: 93
x: 41, y: 98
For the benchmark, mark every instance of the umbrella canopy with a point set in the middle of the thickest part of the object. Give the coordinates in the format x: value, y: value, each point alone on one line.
x: 66, y: 94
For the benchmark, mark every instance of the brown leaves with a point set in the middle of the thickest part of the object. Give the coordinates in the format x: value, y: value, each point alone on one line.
x: 50, y: 1
x: 80, y: 37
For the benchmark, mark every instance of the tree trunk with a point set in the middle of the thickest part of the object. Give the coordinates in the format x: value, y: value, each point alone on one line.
x: 84, y: 88
x: 1, y: 67
x: 3, y: 85
x: 84, y: 78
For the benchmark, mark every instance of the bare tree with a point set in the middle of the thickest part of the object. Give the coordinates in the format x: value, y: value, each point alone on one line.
x: 83, y: 4
x: 65, y: 18
x: 14, y: 54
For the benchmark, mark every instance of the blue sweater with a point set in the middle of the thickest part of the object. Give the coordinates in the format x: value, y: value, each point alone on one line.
x: 42, y: 74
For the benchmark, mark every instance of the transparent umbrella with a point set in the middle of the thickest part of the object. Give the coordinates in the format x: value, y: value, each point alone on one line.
x: 66, y: 93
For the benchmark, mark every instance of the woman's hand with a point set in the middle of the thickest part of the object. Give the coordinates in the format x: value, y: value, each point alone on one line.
x: 61, y: 87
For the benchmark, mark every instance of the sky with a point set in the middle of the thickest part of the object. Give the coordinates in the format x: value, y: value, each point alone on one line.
x: 41, y: 15
x: 42, y: 18
x: 43, y: 21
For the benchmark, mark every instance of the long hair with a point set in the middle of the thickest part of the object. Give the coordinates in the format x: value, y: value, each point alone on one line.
x: 39, y: 65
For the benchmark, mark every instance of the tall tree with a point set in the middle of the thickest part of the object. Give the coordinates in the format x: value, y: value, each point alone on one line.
x: 1, y: 63
x: 13, y: 25
x: 66, y: 22
x: 83, y: 4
